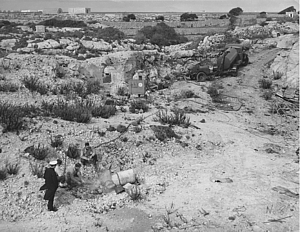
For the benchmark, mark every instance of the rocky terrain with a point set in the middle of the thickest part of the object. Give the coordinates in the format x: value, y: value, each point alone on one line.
x: 231, y: 165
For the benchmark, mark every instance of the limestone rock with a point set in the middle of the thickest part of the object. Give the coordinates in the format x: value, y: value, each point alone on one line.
x: 100, y: 45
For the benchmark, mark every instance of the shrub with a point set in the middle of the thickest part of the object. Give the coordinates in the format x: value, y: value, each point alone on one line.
x: 268, y: 95
x: 57, y: 141
x: 93, y: 87
x: 3, y: 174
x: 138, y: 105
x: 12, y: 169
x: 104, y: 111
x: 277, y: 75
x: 40, y: 152
x: 163, y: 133
x: 161, y: 35
x: 121, y: 91
x: 8, y: 87
x: 11, y: 117
x: 70, y: 111
x: 177, y: 118
x: 73, y: 151
x: 265, y: 83
x: 37, y: 169
x: 35, y: 85
x: 135, y: 193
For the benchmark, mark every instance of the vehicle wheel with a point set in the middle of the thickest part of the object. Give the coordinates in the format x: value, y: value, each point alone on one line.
x: 201, y: 76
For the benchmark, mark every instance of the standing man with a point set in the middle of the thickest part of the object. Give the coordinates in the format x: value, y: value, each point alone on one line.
x: 51, y: 184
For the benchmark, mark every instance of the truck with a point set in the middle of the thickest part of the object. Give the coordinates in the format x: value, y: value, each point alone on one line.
x: 228, y: 63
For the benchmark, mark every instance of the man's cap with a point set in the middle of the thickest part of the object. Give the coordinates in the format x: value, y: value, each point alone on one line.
x: 53, y: 162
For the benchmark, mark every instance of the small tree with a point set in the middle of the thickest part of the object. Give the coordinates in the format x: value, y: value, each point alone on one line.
x: 59, y: 11
x: 236, y: 11
x: 188, y: 17
x: 160, y: 18
x: 131, y: 17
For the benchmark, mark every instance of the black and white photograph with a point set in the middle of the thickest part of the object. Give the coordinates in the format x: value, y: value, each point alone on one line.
x: 149, y: 116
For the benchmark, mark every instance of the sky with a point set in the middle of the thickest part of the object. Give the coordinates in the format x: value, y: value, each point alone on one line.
x: 152, y: 5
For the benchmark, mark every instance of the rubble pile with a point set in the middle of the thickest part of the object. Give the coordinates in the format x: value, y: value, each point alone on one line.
x: 268, y: 31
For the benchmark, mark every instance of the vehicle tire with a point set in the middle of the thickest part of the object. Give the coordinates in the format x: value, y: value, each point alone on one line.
x: 201, y: 77
x: 235, y: 74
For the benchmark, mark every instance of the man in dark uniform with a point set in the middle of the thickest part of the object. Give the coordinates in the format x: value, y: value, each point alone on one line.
x: 51, y: 185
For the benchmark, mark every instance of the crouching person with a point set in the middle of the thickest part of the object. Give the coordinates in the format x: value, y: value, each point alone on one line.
x: 73, y: 176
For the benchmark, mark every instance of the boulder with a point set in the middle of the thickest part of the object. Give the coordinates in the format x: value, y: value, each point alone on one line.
x: 8, y: 43
x: 100, y: 45
x: 287, y: 63
x: 182, y: 54
x: 48, y: 44
x: 286, y: 41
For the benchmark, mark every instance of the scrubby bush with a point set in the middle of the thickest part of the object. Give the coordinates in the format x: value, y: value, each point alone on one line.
x: 135, y: 193
x: 6, y: 86
x: 104, y: 111
x: 177, y: 117
x: 161, y: 35
x: 268, y: 95
x: 35, y: 85
x: 12, y: 168
x: 37, y: 169
x: 277, y: 75
x: 57, y: 141
x: 93, y: 87
x: 163, y: 133
x: 69, y: 111
x: 40, y: 152
x: 11, y: 117
x: 138, y: 105
x: 73, y: 151
x: 3, y: 174
x: 265, y: 83
x: 121, y: 91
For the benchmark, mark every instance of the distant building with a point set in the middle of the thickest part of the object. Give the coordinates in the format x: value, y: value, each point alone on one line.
x: 40, y: 28
x: 31, y: 11
x: 291, y: 14
x: 50, y: 11
x: 79, y: 10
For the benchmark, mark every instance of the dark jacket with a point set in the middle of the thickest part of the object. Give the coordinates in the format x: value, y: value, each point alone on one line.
x: 51, y: 183
x: 51, y: 179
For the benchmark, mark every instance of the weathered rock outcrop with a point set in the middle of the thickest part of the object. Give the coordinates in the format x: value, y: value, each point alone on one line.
x: 287, y: 63
x: 99, y: 45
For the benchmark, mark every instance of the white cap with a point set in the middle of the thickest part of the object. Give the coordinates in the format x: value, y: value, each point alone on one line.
x: 53, y: 162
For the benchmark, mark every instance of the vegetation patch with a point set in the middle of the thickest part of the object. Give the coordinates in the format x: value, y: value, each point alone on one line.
x: 40, y: 152
x: 265, y: 83
x: 3, y: 174
x: 35, y: 85
x: 138, y: 105
x: 12, y: 168
x: 163, y: 133
x: 177, y: 117
x: 37, y: 169
x: 6, y: 86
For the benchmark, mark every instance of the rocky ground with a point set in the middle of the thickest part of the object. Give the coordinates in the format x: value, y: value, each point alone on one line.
x: 234, y: 169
